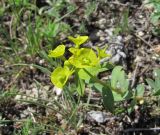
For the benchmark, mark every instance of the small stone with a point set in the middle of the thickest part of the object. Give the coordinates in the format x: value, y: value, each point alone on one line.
x: 100, y: 33
x: 59, y: 116
x: 141, y: 33
x: 22, y: 116
x: 46, y: 87
x: 97, y: 116
x: 2, y: 70
x: 128, y: 38
x: 58, y: 91
x: 102, y: 26
x: 140, y: 16
x: 26, y: 15
x: 154, y: 57
x: 35, y: 92
x: 109, y: 32
x: 141, y: 102
x: 138, y: 59
x: 115, y: 59
x: 41, y: 61
x: 102, y: 39
x: 119, y: 38
x: 17, y: 97
x: 31, y: 67
x: 129, y: 75
x: 136, y: 107
x: 122, y: 54
x: 102, y: 21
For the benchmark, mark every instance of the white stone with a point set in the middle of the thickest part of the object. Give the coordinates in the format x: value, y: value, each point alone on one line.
x: 102, y: 21
x: 98, y: 116
x: 140, y: 33
x: 58, y: 91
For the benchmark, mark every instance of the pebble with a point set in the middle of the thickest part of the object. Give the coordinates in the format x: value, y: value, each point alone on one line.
x: 138, y: 59
x: 100, y: 33
x: 122, y: 54
x: 41, y: 61
x: 35, y: 92
x: 18, y: 97
x: 119, y: 38
x: 102, y: 39
x: 101, y: 26
x: 102, y: 21
x: 58, y: 91
x: 109, y: 32
x: 140, y: 16
x: 140, y: 33
x: 115, y: 59
x: 26, y: 15
x: 31, y: 67
x: 98, y: 116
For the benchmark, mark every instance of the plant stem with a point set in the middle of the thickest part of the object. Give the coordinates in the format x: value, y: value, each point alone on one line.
x: 108, y: 87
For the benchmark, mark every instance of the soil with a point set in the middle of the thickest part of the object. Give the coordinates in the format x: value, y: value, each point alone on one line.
x: 132, y: 44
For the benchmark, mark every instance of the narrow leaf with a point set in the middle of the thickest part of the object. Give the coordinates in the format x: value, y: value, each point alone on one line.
x: 80, y: 85
x: 140, y: 90
x: 108, y: 99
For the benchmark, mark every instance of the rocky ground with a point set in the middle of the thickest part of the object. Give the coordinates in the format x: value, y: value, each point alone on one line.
x: 125, y: 27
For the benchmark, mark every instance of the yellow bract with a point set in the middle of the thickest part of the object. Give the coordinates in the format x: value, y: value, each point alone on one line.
x: 57, y: 52
x: 73, y: 50
x: 84, y: 58
x: 66, y: 63
x: 60, y: 76
x: 102, y: 53
x: 80, y: 58
x: 78, y: 40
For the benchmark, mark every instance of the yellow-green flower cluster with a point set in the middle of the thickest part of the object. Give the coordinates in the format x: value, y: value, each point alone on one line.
x: 80, y: 58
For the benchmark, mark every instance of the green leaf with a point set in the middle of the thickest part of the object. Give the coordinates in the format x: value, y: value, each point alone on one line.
x: 73, y: 50
x: 128, y: 95
x: 60, y: 76
x: 83, y: 75
x: 43, y: 69
x: 57, y: 52
x: 155, y: 84
x: 78, y: 40
x: 156, y: 73
x: 132, y: 105
x: 108, y: 99
x: 90, y: 8
x: 140, y: 90
x: 92, y: 70
x: 114, y: 76
x: 106, y: 66
x: 157, y: 93
x: 124, y: 83
x: 44, y: 55
x: 84, y: 58
x: 51, y: 29
x: 53, y: 12
x: 98, y: 87
x: 117, y: 97
x: 118, y: 79
x: 119, y: 84
x: 151, y: 83
x: 102, y: 53
x: 80, y: 86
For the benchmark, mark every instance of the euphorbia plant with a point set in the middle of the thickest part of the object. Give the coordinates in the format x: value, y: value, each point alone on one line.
x: 84, y: 64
